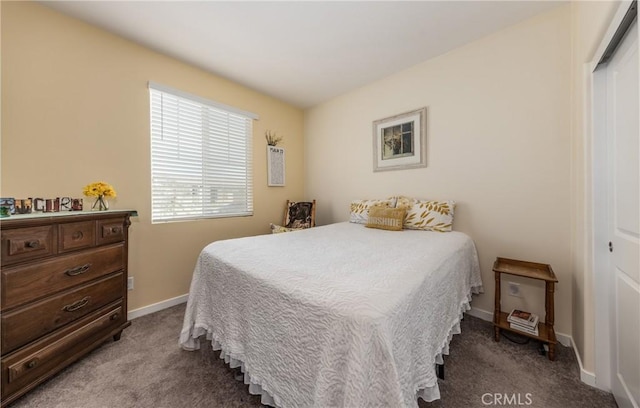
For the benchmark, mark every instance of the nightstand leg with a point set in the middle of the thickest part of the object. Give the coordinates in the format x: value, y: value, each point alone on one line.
x: 549, y: 314
x: 116, y: 336
x: 496, y: 308
x: 550, y: 318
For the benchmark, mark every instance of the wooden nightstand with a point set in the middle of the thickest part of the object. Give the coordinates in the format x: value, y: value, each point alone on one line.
x: 532, y: 270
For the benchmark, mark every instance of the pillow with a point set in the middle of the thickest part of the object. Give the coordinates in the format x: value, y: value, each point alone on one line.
x: 403, y: 201
x: 429, y: 215
x: 386, y: 218
x: 360, y: 209
x: 276, y: 229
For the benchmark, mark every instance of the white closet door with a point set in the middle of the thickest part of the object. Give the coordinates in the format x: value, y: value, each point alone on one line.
x: 624, y: 219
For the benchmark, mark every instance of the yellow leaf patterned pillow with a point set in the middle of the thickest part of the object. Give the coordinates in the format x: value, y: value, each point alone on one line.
x: 429, y: 215
x: 360, y: 209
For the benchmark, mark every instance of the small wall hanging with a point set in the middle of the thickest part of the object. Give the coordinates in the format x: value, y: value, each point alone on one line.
x: 275, y: 166
x: 275, y: 160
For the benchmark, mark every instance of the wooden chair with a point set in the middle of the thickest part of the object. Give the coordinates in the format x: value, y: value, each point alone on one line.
x: 300, y: 214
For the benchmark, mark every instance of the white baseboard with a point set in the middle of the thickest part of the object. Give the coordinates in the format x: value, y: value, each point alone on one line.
x: 586, y: 377
x: 156, y: 307
x: 480, y: 314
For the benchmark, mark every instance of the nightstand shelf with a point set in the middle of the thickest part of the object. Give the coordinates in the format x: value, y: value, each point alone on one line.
x: 532, y: 270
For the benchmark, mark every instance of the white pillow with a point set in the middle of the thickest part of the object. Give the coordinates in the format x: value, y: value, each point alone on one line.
x: 360, y: 209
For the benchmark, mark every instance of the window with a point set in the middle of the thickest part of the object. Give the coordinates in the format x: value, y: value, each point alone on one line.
x: 201, y: 157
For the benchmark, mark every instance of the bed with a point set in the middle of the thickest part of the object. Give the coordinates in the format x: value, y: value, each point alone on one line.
x: 334, y: 316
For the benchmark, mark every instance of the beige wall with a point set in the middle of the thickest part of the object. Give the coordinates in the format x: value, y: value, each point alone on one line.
x: 590, y: 21
x: 75, y: 109
x: 498, y: 143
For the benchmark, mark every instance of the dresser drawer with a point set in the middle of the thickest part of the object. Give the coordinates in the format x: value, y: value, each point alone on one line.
x: 27, y: 323
x: 33, y: 364
x: 111, y: 230
x: 27, y: 243
x: 26, y: 283
x: 76, y: 235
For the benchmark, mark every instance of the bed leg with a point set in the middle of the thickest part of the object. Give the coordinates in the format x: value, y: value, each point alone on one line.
x: 440, y: 371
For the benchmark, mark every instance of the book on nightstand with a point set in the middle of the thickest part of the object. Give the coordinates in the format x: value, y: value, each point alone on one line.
x: 526, y: 319
x: 525, y: 329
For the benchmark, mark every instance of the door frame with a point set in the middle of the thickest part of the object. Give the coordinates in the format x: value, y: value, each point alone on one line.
x: 597, y: 170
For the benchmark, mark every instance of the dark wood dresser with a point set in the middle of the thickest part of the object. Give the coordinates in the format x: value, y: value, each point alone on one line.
x: 64, y: 291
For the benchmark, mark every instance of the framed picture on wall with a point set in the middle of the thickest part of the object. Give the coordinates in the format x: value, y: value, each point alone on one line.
x: 275, y: 166
x: 400, y: 142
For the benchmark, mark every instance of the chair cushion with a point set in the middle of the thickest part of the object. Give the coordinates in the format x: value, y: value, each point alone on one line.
x: 277, y: 229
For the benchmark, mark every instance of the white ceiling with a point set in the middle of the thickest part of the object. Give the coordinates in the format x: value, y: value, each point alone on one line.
x: 304, y: 52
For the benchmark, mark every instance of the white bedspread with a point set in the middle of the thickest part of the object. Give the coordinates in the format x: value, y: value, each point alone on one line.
x: 335, y: 316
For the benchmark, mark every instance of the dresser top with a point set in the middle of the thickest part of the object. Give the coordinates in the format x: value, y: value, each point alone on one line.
x: 53, y: 216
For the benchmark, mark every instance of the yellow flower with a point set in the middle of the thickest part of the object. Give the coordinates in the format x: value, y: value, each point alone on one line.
x: 98, y: 189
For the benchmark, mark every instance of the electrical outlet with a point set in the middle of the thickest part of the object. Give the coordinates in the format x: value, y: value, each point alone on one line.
x: 514, y: 289
x: 130, y: 283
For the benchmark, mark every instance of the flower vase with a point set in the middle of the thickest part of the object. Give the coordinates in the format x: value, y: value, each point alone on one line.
x: 101, y: 204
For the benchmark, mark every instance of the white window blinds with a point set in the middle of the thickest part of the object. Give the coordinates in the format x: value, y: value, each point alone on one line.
x: 201, y: 164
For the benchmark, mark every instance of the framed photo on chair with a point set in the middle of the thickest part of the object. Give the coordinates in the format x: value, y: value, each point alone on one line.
x: 301, y: 214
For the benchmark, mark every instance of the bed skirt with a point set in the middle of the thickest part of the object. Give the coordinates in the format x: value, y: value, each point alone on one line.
x: 190, y: 341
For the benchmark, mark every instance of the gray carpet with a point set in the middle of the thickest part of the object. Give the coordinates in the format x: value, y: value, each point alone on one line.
x: 147, y: 369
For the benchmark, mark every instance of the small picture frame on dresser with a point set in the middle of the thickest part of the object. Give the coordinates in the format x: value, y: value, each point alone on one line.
x: 66, y: 204
x: 23, y: 206
x: 52, y: 205
x: 8, y: 202
x: 38, y: 204
x: 76, y: 204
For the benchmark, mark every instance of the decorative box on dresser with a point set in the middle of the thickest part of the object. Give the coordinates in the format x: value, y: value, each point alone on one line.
x: 64, y: 291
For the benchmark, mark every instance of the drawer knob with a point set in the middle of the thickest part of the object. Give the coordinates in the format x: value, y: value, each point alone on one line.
x: 32, y: 363
x: 78, y: 270
x: 77, y: 235
x: 32, y: 244
x: 77, y: 305
x: 115, y: 316
x: 115, y: 230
